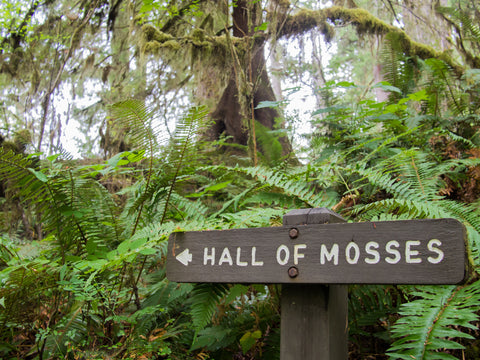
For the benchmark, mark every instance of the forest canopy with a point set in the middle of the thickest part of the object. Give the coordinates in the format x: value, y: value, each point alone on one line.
x: 202, y: 115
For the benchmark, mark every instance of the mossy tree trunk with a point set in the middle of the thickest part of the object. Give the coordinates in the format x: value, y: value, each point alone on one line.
x: 248, y: 85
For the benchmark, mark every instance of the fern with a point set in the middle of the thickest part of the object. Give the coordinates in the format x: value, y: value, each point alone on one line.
x: 467, y: 26
x: 415, y: 182
x: 370, y: 304
x: 441, y: 81
x: 433, y: 320
x: 137, y: 119
x: 204, y: 301
x: 29, y: 184
x: 65, y: 202
x: 399, y: 70
x: 268, y: 142
x: 189, y: 209
x: 268, y: 180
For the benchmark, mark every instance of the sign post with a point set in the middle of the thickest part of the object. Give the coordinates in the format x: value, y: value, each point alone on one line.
x: 314, y: 255
x: 314, y: 317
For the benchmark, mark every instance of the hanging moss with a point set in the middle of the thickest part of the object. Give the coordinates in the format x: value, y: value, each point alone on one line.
x: 365, y: 23
x: 215, y: 49
x: 302, y: 22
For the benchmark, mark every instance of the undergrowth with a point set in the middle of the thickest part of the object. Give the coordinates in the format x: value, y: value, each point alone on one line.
x: 91, y: 283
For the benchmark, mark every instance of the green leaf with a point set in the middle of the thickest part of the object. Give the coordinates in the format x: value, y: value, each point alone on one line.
x: 236, y: 291
x: 431, y: 322
x: 94, y: 264
x: 211, y: 188
x: 123, y: 247
x: 248, y: 340
x: 345, y: 84
x: 330, y: 109
x: 131, y: 244
x: 148, y: 251
x: 213, y: 338
x: 386, y: 86
x: 91, y: 246
x: 54, y: 157
x: 262, y: 27
x: 136, y: 156
x: 218, y: 186
x: 39, y: 175
x: 268, y: 104
x: 124, y: 158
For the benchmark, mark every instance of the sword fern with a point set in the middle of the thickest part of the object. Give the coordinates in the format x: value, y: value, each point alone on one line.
x: 431, y: 321
x: 434, y: 321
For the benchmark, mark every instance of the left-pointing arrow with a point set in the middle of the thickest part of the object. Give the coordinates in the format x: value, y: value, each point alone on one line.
x: 184, y: 257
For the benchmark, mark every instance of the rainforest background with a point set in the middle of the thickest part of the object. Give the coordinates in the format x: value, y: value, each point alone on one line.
x: 189, y: 116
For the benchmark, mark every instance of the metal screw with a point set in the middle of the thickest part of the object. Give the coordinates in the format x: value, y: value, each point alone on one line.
x: 293, y: 233
x: 293, y: 272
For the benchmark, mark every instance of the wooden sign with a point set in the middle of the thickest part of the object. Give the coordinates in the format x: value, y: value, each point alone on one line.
x: 389, y: 252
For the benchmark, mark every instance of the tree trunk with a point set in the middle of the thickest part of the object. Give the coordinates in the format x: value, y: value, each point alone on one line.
x: 248, y: 85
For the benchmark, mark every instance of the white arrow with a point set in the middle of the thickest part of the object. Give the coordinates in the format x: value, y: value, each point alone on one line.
x: 184, y: 257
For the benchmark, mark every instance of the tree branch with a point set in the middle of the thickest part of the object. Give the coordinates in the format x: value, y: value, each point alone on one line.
x: 365, y: 23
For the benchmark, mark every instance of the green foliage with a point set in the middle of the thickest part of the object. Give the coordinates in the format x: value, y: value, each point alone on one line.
x: 433, y: 319
x: 204, y: 303
x: 370, y: 307
x: 95, y: 260
x: 97, y: 286
x: 409, y: 158
x: 268, y: 140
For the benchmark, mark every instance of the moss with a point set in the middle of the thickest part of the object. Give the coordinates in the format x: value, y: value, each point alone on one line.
x: 301, y: 22
x: 9, y: 145
x: 152, y: 33
x: 363, y: 21
x: 171, y: 45
x: 19, y: 142
x: 151, y: 47
x: 198, y: 35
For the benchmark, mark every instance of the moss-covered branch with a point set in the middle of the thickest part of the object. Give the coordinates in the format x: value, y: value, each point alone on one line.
x: 154, y: 40
x: 365, y: 23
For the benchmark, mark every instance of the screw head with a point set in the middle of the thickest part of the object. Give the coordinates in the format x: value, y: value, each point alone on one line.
x: 293, y: 233
x: 293, y: 272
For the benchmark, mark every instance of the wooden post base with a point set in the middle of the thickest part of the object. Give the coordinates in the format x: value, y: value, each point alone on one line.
x: 314, y: 317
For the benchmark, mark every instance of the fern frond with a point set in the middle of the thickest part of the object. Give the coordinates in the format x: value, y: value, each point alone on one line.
x: 255, y: 217
x: 89, y: 215
x: 184, y: 139
x: 409, y: 174
x: 136, y: 120
x: 147, y: 191
x: 156, y: 191
x: 25, y: 287
x: 22, y: 180
x: 432, y: 321
x: 190, y: 209
x: 467, y: 142
x: 370, y: 304
x: 442, y: 81
x: 467, y: 26
x: 399, y: 70
x: 293, y: 185
x: 71, y: 329
x: 204, y: 301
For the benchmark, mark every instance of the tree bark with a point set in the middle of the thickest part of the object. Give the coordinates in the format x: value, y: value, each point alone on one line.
x: 248, y: 85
